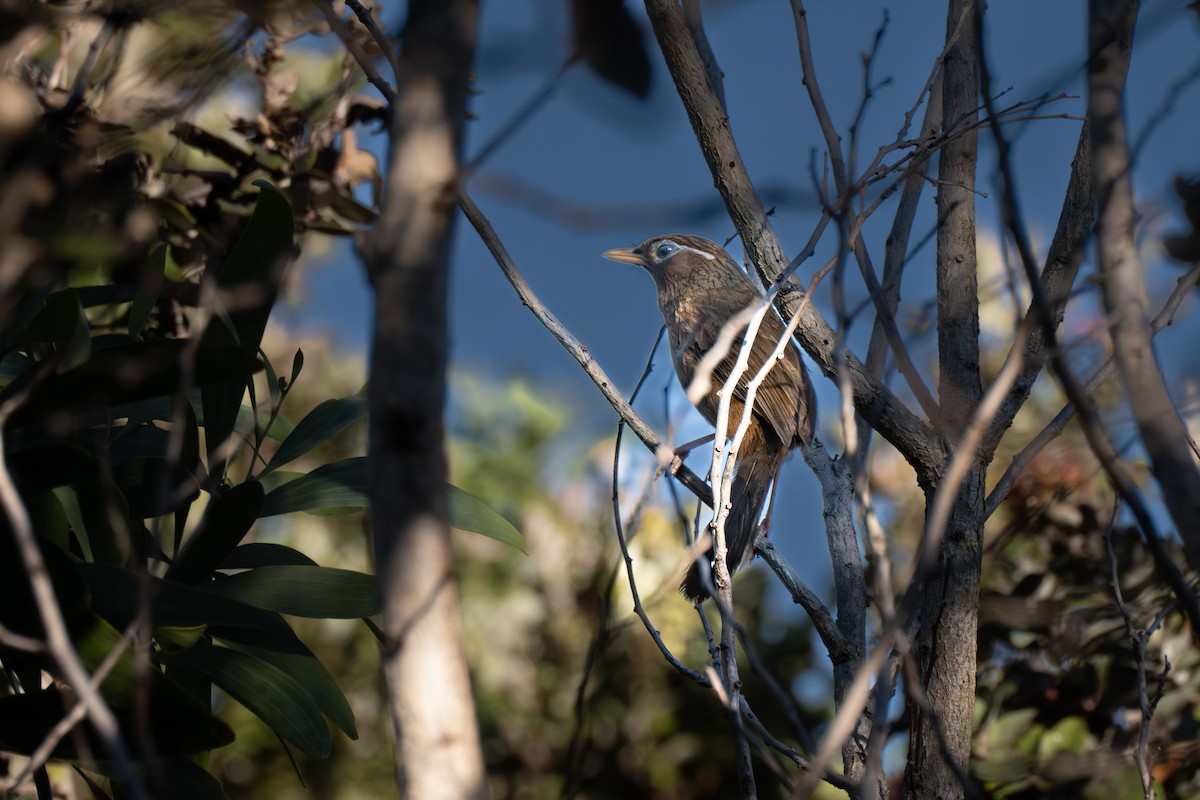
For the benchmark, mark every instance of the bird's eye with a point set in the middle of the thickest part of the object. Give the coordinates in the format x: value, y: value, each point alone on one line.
x: 665, y: 249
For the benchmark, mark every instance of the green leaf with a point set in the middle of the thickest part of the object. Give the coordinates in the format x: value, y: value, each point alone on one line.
x: 159, y: 408
x: 320, y: 425
x: 264, y: 554
x: 314, y: 679
x: 26, y: 311
x: 340, y: 485
x: 226, y: 522
x: 268, y: 692
x: 128, y: 373
x: 69, y: 499
x: 177, y: 725
x: 116, y: 596
x: 255, y: 268
x: 12, y: 366
x: 303, y: 591
x: 1070, y: 734
x: 148, y: 289
x: 61, y: 321
x: 469, y: 513
x: 138, y: 441
x: 343, y: 485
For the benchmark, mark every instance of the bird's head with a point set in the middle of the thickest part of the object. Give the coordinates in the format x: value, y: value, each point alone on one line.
x: 673, y: 257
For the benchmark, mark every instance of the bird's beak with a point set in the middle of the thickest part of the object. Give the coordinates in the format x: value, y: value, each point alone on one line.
x: 627, y: 255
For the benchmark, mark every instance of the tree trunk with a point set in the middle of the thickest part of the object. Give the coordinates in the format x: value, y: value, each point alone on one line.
x: 407, y: 256
x: 947, y: 638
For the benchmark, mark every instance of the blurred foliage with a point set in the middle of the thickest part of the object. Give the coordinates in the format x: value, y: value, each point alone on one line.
x: 140, y: 257
x: 532, y: 624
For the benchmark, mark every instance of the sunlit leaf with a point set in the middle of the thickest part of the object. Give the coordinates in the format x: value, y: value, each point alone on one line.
x: 469, y: 513
x: 320, y: 425
x: 341, y: 484
x: 303, y: 591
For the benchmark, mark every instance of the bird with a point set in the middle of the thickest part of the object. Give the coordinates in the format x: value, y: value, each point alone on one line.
x: 700, y: 287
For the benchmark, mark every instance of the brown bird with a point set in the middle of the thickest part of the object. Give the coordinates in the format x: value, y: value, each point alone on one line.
x: 699, y: 289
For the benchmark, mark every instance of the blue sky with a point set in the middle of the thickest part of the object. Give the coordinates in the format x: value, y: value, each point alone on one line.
x: 597, y: 148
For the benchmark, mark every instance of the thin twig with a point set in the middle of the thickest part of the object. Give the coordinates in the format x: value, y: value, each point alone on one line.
x: 385, y: 45
x: 805, y: 597
x: 1138, y: 640
x: 841, y: 181
x: 77, y: 712
x: 603, y: 602
x: 58, y: 639
x: 368, y: 65
x: 1054, y: 428
x: 662, y: 452
x: 522, y: 115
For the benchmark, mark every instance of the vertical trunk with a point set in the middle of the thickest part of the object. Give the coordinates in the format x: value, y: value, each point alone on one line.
x: 438, y: 753
x: 947, y: 639
x: 1164, y: 435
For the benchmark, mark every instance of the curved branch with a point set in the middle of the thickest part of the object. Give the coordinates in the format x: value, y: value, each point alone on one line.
x: 916, y: 440
x: 661, y: 451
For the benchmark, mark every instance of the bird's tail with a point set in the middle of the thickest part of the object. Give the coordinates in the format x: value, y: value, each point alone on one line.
x: 755, y: 470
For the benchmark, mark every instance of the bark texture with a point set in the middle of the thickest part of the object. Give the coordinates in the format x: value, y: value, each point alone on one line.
x: 1110, y: 36
x: 407, y: 256
x: 946, y: 640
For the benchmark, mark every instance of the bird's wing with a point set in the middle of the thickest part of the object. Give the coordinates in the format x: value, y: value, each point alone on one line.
x: 781, y: 392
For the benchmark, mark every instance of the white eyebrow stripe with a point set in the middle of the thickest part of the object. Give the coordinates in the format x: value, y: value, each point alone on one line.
x: 701, y: 253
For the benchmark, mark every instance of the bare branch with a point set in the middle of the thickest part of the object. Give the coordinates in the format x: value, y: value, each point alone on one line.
x: 1138, y: 640
x: 1056, y: 279
x: 367, y: 18
x: 662, y: 452
x: 638, y: 607
x: 58, y: 639
x: 841, y: 182
x: 355, y: 49
x: 948, y: 628
x: 1056, y: 426
x: 695, y: 23
x: 912, y: 437
x: 1163, y: 433
x: 807, y: 599
x: 77, y: 712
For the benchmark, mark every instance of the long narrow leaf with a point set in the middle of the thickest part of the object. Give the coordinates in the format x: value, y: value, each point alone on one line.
x: 314, y: 679
x: 303, y: 591
x: 270, y: 693
x: 320, y: 425
x: 469, y: 513
x: 343, y: 485
x: 340, y: 485
x: 254, y: 269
